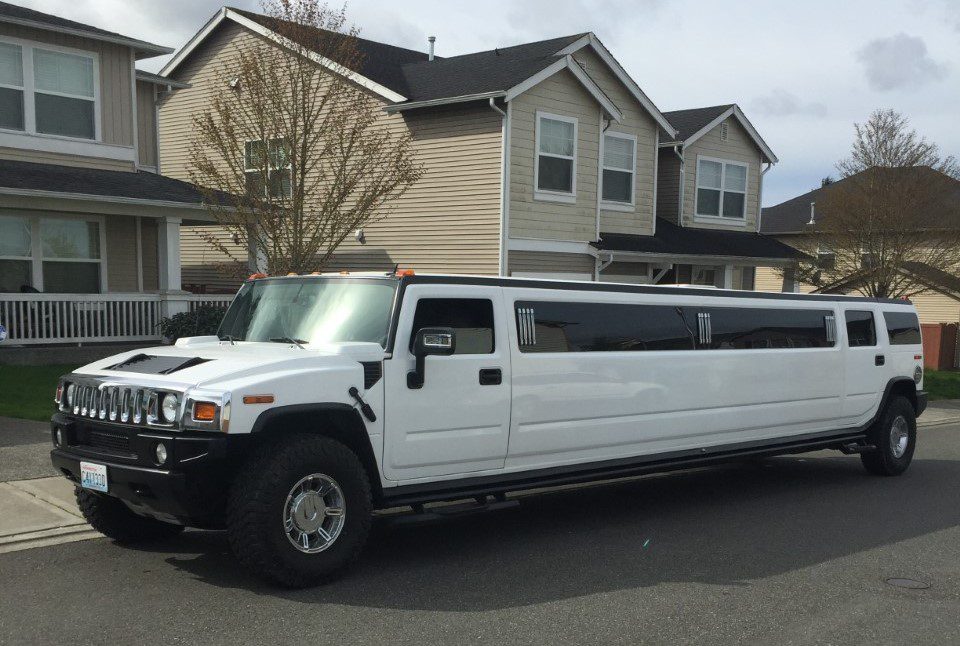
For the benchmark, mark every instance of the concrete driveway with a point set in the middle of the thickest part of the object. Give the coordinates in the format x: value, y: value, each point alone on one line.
x: 792, y: 550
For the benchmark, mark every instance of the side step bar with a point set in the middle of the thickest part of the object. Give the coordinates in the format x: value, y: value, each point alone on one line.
x: 854, y: 447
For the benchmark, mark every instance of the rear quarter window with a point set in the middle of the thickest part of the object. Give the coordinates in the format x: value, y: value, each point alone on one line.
x: 903, y: 328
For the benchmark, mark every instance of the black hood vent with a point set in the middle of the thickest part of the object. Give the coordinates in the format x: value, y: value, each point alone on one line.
x: 147, y: 364
x: 372, y: 371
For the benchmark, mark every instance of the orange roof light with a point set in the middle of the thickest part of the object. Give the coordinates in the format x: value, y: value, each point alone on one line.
x: 204, y: 411
x: 405, y: 272
x: 256, y: 276
x: 344, y: 272
x: 292, y: 273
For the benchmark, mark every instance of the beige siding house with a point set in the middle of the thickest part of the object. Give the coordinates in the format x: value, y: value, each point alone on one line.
x: 541, y: 160
x: 89, y: 231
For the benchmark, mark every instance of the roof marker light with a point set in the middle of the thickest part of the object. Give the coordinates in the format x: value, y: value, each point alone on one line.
x: 256, y: 276
x: 405, y: 272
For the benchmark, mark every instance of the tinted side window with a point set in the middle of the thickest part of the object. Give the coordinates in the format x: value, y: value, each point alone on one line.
x: 860, y: 329
x: 748, y: 328
x: 470, y: 318
x: 602, y: 327
x: 902, y: 327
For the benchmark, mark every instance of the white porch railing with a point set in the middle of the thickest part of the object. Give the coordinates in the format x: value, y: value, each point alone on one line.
x: 32, y: 319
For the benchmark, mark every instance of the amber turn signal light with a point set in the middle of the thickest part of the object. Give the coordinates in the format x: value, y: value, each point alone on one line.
x: 405, y: 272
x: 204, y: 411
x: 258, y: 399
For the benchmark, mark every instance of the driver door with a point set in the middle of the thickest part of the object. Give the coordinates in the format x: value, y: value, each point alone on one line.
x: 459, y: 420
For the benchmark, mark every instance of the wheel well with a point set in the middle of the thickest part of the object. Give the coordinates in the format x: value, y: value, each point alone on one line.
x: 905, y: 388
x: 341, y: 423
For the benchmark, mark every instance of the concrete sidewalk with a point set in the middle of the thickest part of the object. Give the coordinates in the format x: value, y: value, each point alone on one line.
x: 36, y: 511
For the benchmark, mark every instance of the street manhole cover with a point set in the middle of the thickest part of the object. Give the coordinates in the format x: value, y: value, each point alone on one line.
x: 909, y: 584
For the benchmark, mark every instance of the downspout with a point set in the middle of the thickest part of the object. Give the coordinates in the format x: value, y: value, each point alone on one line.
x: 760, y: 195
x: 677, y: 150
x: 504, y: 184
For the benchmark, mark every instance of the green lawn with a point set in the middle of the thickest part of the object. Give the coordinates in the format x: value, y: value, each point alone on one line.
x: 942, y: 385
x: 27, y: 391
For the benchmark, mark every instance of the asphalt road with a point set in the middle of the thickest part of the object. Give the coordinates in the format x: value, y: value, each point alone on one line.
x: 791, y: 550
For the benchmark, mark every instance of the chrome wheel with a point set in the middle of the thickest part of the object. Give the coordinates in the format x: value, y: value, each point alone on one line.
x: 314, y: 513
x: 899, y: 436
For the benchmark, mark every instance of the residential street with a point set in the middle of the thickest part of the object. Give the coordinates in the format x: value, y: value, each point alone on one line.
x: 793, y: 549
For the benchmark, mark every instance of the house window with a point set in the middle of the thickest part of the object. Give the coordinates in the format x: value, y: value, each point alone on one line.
x: 272, y: 158
x: 707, y: 275
x: 619, y: 167
x: 826, y: 258
x: 11, y: 87
x: 15, y: 253
x: 748, y: 278
x: 721, y: 188
x: 70, y: 250
x: 48, y: 91
x: 64, y: 94
x: 555, y: 170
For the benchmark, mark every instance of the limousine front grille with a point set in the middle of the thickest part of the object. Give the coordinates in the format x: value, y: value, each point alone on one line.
x: 113, y: 403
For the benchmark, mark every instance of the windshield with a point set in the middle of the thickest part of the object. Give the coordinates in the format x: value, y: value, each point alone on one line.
x: 310, y: 310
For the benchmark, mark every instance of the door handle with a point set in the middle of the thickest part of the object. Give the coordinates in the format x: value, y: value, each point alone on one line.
x: 491, y: 376
x: 879, y: 360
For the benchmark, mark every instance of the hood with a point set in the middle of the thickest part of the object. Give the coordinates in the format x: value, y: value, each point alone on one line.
x: 206, y: 361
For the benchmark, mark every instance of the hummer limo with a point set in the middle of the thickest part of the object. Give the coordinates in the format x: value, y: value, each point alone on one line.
x: 325, y: 397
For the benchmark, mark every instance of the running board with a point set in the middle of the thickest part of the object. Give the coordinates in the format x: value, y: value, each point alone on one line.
x: 854, y: 447
x: 443, y: 512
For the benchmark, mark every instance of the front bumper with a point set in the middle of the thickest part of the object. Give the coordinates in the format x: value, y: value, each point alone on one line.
x: 189, y: 488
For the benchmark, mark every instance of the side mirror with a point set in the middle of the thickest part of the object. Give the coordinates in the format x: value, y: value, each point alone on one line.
x: 439, y: 341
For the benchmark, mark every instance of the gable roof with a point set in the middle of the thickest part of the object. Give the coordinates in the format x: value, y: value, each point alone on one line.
x: 409, y: 80
x: 17, y: 15
x: 793, y: 215
x: 693, y: 123
x: 673, y: 240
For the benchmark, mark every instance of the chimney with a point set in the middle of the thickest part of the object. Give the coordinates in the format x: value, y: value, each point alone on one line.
x: 431, y: 40
x: 812, y: 221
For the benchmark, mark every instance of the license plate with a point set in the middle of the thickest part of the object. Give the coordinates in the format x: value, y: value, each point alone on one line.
x: 93, y: 476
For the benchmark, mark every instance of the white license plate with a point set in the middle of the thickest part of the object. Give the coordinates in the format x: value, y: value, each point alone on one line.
x: 93, y: 476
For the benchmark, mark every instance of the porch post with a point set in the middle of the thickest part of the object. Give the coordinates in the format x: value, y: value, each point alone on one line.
x: 256, y: 260
x: 728, y: 276
x: 168, y: 255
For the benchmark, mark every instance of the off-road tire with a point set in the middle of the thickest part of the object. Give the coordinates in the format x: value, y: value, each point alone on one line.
x: 883, y: 461
x: 112, y: 518
x: 255, y: 508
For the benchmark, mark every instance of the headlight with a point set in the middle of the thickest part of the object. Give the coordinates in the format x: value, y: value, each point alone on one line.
x: 170, y: 408
x: 71, y: 393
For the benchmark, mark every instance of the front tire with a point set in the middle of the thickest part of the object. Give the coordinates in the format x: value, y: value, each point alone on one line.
x: 114, y: 519
x: 298, y: 513
x: 895, y: 436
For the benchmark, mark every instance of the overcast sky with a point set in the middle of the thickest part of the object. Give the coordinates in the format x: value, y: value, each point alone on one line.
x: 803, y: 72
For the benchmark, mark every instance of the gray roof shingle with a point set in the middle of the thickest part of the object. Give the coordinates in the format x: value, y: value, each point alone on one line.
x: 18, y: 13
x: 689, y: 122
x: 684, y: 241
x: 139, y: 185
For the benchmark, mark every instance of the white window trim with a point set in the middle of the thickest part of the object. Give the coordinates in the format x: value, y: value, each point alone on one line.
x: 613, y: 205
x: 719, y: 219
x: 247, y: 170
x: 554, y: 196
x: 36, y: 257
x: 27, y: 48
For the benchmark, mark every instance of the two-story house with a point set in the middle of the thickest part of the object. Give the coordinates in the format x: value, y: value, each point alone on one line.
x: 89, y: 229
x: 544, y: 159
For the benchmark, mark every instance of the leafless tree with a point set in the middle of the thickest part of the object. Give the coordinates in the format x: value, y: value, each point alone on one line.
x: 305, y: 153
x: 891, y: 224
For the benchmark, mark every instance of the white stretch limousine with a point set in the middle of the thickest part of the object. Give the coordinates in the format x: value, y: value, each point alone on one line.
x: 325, y: 397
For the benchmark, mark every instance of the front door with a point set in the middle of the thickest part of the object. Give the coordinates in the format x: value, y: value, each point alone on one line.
x: 459, y: 420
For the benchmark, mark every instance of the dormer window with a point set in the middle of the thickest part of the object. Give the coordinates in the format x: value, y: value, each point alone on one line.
x: 48, y: 91
x: 721, y: 189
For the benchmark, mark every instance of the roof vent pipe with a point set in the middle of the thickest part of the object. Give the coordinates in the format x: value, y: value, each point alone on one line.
x: 813, y: 212
x: 431, y: 40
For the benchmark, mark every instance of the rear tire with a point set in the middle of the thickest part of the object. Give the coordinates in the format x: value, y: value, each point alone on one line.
x: 112, y: 518
x: 298, y: 513
x: 895, y: 436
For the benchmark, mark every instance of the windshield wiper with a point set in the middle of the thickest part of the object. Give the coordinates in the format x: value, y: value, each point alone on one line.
x: 285, y: 339
x: 227, y: 337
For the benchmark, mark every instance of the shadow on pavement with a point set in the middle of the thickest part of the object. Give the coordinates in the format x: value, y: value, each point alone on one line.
x: 724, y: 526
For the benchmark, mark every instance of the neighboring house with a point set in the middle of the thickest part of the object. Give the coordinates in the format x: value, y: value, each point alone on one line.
x: 540, y: 160
x: 790, y: 221
x: 89, y: 229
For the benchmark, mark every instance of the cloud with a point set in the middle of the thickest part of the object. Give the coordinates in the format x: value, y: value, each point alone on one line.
x: 607, y: 18
x: 899, y: 62
x: 781, y: 103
